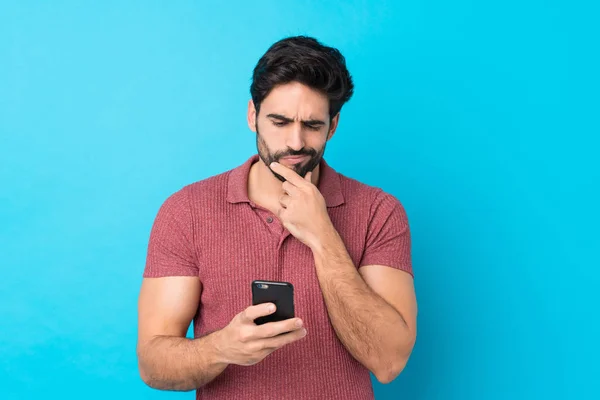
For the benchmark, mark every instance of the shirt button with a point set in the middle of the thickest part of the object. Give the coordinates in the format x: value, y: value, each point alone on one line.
x: 269, y: 219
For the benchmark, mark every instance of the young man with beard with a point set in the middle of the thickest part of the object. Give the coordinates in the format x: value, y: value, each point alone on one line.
x: 283, y: 215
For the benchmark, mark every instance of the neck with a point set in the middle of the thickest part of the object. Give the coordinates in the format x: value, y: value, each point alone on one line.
x: 264, y: 188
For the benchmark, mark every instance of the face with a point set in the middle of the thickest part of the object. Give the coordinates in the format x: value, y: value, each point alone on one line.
x: 292, y: 127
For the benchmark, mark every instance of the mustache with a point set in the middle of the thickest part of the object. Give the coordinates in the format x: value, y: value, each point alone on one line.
x: 301, y: 152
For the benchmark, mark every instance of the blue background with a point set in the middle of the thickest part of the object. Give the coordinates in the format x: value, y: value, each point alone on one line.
x: 481, y: 117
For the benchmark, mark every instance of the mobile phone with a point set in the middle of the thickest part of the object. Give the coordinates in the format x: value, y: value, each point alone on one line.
x: 279, y: 293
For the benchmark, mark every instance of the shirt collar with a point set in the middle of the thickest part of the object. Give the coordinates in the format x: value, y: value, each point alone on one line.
x: 329, y: 183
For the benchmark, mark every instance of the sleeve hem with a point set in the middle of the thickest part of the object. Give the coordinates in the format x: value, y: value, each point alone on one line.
x: 163, y: 273
x: 403, y: 267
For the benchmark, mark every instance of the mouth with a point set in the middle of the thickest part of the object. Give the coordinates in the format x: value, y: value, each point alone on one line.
x: 293, y: 159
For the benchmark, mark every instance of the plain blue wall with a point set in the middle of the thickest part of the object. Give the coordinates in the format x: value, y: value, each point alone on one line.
x: 482, y: 118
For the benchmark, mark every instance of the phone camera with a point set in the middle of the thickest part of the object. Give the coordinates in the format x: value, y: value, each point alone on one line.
x: 263, y: 286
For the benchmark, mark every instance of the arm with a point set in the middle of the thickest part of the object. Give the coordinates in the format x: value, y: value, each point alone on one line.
x: 167, y: 359
x: 374, y: 315
x: 168, y: 302
x: 170, y: 361
x: 373, y: 310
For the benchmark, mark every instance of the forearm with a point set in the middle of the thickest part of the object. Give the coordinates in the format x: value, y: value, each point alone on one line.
x: 370, y: 329
x: 180, y: 364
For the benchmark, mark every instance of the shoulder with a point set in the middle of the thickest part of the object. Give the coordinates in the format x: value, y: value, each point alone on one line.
x: 371, y: 199
x: 203, y: 192
x: 210, y: 187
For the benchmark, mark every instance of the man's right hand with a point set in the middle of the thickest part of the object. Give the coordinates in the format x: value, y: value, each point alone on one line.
x: 242, y: 342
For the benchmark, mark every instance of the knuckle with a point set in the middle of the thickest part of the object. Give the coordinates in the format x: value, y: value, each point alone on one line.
x: 291, y: 325
x: 284, y: 339
x: 255, y: 347
x: 245, y: 335
x: 269, y: 332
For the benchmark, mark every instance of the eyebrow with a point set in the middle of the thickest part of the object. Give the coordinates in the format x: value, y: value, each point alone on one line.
x: 286, y: 119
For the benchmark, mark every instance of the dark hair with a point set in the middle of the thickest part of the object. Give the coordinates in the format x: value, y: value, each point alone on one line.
x: 303, y: 59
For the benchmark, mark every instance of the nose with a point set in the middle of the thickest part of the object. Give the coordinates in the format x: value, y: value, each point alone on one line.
x: 295, y: 138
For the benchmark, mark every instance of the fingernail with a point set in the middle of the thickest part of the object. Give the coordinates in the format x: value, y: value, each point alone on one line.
x: 303, y: 332
x: 272, y: 308
x: 299, y: 323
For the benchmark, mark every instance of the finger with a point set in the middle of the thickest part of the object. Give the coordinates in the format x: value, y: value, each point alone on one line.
x: 259, y: 310
x: 271, y: 329
x: 290, y: 175
x: 285, y: 339
x: 280, y: 212
x: 285, y: 200
x: 308, y: 176
x: 289, y: 188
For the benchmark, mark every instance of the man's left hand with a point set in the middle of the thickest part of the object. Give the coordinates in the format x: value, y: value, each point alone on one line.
x: 302, y: 208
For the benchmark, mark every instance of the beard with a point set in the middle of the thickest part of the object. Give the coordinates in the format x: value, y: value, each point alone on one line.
x: 267, y: 156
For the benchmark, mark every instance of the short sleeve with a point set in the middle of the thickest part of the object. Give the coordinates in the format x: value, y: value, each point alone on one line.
x: 171, y: 244
x: 388, y: 236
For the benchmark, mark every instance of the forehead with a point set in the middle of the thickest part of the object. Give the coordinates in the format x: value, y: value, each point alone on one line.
x: 295, y: 100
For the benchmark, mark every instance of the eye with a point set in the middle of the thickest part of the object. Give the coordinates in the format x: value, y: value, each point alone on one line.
x: 313, y: 127
x: 279, y: 123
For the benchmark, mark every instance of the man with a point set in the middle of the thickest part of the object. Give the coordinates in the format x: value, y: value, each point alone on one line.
x: 283, y: 215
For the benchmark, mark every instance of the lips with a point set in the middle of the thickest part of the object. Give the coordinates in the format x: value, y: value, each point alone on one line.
x: 294, y: 159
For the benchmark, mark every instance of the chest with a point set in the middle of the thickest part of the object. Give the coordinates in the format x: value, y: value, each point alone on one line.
x: 255, y: 246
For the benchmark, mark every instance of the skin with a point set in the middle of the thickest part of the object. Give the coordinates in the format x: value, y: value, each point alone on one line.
x: 372, y: 309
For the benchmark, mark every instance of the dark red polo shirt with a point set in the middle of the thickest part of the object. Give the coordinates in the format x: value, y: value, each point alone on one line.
x: 211, y: 229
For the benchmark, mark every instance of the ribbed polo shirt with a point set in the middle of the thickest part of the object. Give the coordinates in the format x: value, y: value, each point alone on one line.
x: 211, y: 229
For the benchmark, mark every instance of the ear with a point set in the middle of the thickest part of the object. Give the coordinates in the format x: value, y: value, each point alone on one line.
x: 251, y: 116
x: 333, y: 126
